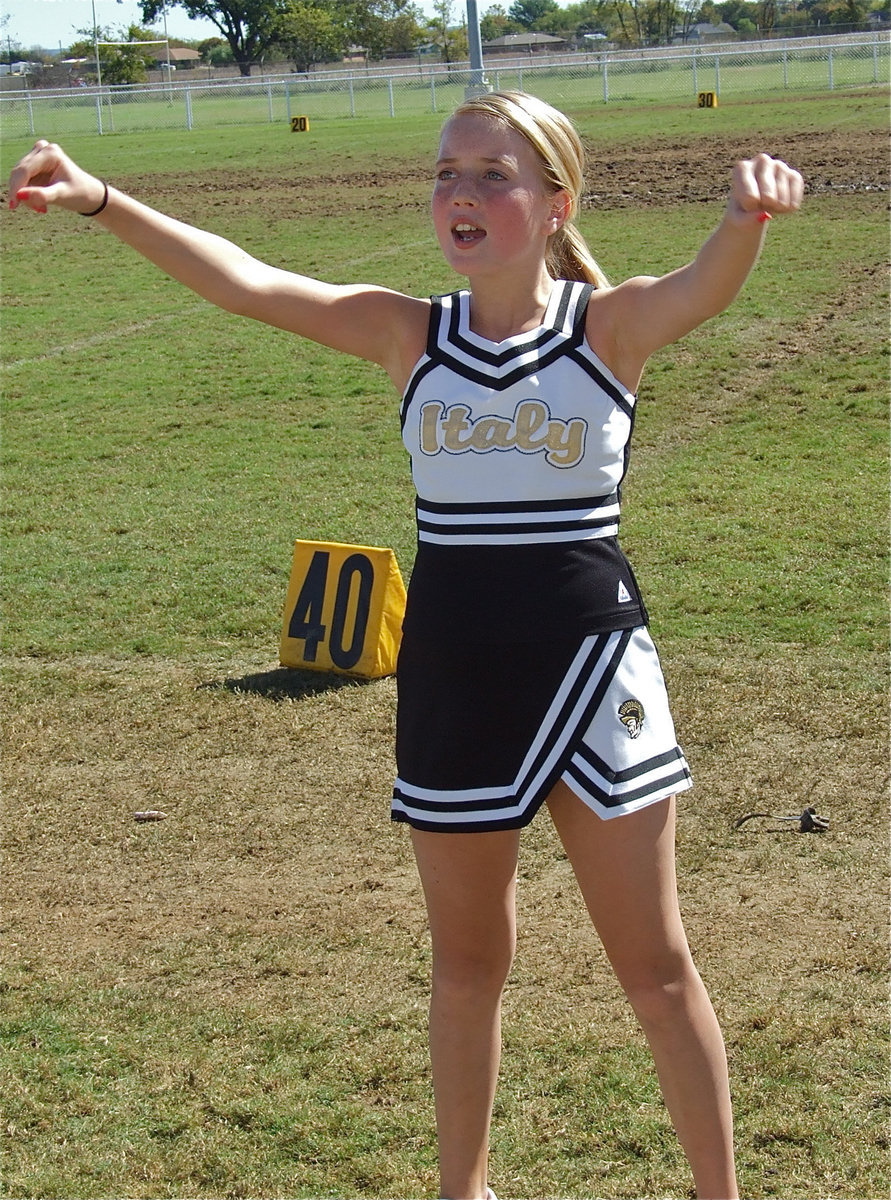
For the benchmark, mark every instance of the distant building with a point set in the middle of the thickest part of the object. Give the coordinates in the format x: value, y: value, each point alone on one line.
x: 181, y: 59
x: 524, y: 43
x: 704, y: 31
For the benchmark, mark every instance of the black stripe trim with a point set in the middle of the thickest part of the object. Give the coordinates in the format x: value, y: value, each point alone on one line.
x: 437, y: 320
x: 420, y: 374
x: 507, y: 506
x: 515, y: 822
x: 501, y: 358
x: 659, y: 760
x: 508, y: 800
x: 500, y: 383
x: 618, y: 397
x: 620, y: 799
x: 566, y: 298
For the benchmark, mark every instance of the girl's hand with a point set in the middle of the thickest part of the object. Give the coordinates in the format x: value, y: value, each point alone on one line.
x: 46, y: 175
x: 763, y: 187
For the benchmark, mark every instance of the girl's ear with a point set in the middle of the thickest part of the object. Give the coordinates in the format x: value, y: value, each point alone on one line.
x: 561, y: 207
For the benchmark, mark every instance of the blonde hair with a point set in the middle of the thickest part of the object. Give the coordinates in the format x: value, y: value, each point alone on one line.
x: 556, y: 142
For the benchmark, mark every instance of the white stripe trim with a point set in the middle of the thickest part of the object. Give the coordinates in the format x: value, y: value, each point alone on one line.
x: 607, y: 812
x: 524, y: 517
x: 446, y: 817
x: 644, y: 780
x: 453, y: 795
x: 570, y: 724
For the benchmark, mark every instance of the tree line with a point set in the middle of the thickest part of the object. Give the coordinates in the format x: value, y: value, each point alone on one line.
x: 307, y: 32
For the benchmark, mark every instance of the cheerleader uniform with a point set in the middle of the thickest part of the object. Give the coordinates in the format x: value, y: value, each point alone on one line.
x: 525, y: 656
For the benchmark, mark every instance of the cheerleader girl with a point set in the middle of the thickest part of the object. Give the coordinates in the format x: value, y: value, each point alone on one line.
x: 526, y: 677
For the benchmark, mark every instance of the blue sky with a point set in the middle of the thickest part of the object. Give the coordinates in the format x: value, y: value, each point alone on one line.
x: 50, y: 23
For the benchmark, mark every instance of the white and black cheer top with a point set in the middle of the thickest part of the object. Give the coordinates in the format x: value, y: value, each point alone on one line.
x: 518, y: 451
x: 524, y: 657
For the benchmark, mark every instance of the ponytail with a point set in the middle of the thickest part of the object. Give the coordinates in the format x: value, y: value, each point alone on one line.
x: 569, y: 257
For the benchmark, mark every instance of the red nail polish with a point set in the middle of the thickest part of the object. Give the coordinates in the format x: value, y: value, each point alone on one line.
x: 764, y: 216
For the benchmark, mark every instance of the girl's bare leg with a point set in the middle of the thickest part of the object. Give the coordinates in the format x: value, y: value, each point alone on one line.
x: 469, y: 882
x: 626, y: 870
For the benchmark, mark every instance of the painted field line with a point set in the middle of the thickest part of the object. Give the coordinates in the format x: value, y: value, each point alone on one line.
x: 118, y: 331
x: 100, y: 339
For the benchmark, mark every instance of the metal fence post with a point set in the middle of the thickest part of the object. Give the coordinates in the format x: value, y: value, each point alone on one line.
x: 605, y: 80
x: 432, y: 92
x: 831, y: 75
x: 352, y: 98
x: 390, y: 90
x: 99, y: 113
x: 717, y: 76
x: 188, y: 109
x: 269, y: 102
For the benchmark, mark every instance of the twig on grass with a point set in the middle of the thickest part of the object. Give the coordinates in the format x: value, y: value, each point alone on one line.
x: 808, y: 822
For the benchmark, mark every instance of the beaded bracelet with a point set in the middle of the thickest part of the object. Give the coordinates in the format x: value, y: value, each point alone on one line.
x: 97, y: 211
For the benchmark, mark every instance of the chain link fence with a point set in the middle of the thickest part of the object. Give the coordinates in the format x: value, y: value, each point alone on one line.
x: 568, y: 80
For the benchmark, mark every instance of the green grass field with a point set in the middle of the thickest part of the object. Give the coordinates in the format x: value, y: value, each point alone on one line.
x: 231, y: 1003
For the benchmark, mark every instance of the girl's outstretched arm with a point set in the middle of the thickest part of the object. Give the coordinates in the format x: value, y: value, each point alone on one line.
x: 382, y: 326
x: 646, y: 313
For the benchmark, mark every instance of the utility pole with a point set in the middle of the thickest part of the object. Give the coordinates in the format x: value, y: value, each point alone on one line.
x: 96, y: 46
x: 478, y: 83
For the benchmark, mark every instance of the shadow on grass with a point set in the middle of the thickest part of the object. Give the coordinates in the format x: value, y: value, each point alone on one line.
x: 283, y: 683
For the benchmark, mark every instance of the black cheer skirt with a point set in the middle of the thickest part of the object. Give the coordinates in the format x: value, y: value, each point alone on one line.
x: 484, y: 731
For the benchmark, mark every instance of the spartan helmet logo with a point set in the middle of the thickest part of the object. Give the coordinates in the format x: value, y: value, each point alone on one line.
x: 631, y: 714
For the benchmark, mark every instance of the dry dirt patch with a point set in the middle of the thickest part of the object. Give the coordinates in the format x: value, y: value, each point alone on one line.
x: 661, y: 171
x: 277, y: 826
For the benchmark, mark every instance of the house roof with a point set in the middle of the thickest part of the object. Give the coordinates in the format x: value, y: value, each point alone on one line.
x: 180, y: 54
x: 524, y: 39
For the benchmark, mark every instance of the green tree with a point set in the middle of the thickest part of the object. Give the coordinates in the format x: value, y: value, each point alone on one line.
x: 527, y: 12
x: 734, y: 11
x: 118, y: 64
x: 247, y: 25
x: 588, y: 16
x: 309, y: 33
x: 215, y: 51
x: 850, y: 12
x: 688, y: 12
x: 647, y: 22
x: 451, y: 39
x: 11, y: 49
x: 386, y: 26
x: 495, y: 23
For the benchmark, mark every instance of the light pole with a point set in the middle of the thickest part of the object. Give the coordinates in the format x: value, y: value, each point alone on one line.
x: 478, y: 82
x: 167, y: 45
x: 96, y: 46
